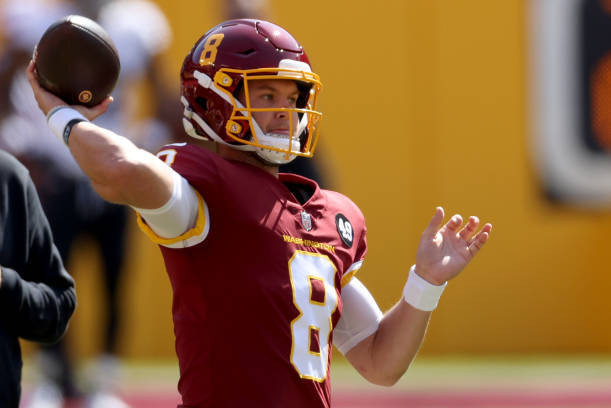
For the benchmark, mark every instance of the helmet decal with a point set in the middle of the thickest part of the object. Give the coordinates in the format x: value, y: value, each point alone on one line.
x: 211, y: 46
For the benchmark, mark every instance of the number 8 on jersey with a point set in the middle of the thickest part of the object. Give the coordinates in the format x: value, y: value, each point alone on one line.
x: 308, y: 270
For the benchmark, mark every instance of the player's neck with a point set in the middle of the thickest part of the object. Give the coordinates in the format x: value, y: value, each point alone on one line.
x: 228, y: 153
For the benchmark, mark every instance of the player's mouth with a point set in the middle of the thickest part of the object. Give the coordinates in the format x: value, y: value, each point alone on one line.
x: 281, y: 131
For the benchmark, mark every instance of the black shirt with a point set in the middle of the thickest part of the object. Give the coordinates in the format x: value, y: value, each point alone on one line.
x: 37, y: 295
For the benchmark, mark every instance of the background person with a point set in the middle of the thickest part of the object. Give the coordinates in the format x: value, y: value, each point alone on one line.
x: 141, y: 34
x: 37, y: 295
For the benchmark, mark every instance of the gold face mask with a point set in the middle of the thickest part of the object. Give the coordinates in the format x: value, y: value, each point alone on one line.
x: 303, y: 119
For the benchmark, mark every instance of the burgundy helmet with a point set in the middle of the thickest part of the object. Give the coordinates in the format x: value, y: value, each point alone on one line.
x: 220, y: 67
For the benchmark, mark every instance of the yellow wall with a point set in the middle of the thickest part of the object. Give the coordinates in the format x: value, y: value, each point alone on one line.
x: 425, y: 105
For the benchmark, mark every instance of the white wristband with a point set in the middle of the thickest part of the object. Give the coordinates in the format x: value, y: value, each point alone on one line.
x: 420, y: 293
x: 61, y: 119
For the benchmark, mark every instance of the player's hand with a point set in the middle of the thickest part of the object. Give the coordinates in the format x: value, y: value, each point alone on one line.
x: 47, y: 101
x: 445, y: 250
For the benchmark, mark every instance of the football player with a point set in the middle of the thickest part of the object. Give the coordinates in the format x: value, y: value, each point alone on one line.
x: 261, y: 264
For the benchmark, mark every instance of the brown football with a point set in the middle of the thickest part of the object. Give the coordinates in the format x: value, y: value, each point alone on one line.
x: 77, y: 61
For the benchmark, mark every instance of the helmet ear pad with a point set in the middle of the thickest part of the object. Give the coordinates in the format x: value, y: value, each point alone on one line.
x: 238, y: 93
x: 214, y: 110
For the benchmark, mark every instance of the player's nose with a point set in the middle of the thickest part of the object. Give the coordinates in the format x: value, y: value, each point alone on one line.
x: 283, y: 111
x: 282, y: 114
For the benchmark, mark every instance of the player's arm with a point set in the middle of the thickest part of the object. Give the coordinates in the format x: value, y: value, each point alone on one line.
x: 380, y: 347
x: 383, y: 356
x: 120, y: 172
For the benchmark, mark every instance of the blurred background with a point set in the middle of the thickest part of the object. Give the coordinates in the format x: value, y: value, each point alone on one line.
x: 498, y: 109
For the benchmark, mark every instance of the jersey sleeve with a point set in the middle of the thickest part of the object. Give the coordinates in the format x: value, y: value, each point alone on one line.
x: 190, y: 237
x: 351, y: 212
x: 196, y: 166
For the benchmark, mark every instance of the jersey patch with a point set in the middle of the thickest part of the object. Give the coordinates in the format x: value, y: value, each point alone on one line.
x: 344, y: 229
x: 306, y: 221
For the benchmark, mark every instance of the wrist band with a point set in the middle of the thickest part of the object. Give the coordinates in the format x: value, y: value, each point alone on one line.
x: 61, y: 120
x: 420, y: 293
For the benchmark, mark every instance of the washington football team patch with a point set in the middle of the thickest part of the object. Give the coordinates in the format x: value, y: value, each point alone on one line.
x: 344, y: 228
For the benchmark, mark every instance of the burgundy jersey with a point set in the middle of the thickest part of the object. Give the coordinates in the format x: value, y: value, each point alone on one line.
x: 257, y: 284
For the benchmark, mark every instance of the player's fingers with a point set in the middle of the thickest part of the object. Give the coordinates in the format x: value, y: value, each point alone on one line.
x: 467, y: 232
x: 31, y: 74
x: 104, y: 104
x: 97, y: 110
x: 435, y: 223
x: 46, y: 101
x: 454, y: 223
x: 478, y: 241
x: 486, y: 228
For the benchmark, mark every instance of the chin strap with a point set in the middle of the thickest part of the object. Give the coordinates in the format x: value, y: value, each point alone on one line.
x: 280, y: 142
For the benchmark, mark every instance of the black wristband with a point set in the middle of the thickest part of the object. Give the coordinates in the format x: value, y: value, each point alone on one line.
x: 68, y: 128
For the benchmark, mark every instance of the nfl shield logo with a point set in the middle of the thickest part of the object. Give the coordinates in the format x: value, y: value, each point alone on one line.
x: 306, y: 221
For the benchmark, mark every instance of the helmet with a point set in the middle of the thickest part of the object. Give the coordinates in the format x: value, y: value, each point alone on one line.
x: 221, y: 66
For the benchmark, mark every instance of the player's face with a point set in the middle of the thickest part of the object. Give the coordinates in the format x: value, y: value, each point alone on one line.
x: 274, y: 93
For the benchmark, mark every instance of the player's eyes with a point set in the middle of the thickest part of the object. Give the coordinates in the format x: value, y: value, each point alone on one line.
x: 266, y: 98
x: 271, y: 99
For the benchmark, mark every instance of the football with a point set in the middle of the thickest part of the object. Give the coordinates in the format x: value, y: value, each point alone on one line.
x: 77, y: 61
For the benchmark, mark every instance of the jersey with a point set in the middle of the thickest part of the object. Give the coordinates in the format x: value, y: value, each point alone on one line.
x: 256, y: 301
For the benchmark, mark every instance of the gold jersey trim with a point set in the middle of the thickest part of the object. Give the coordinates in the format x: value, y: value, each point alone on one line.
x: 191, y: 237
x: 351, y: 272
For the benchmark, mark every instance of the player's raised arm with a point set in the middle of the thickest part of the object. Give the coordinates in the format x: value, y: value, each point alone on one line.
x: 120, y: 172
x: 443, y: 252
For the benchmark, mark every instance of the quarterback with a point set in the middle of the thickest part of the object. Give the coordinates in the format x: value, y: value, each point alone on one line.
x: 262, y: 264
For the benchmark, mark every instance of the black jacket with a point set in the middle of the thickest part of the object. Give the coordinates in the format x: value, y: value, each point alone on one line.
x: 37, y: 295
